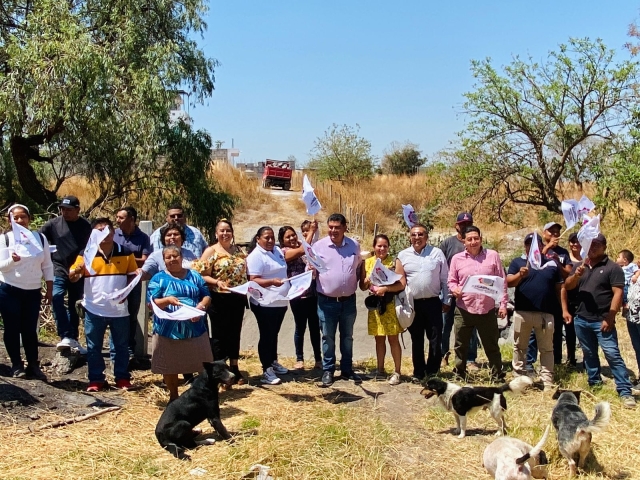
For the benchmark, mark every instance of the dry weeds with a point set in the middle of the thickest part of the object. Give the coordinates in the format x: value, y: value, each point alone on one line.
x: 304, y: 432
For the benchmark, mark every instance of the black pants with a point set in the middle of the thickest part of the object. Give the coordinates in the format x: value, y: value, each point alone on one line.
x: 428, y: 319
x: 225, y: 314
x: 570, y: 338
x: 20, y: 310
x: 487, y: 326
x: 269, y: 321
x: 305, y: 311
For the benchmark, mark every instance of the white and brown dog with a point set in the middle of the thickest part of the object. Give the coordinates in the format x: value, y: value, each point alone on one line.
x: 508, y: 458
x: 462, y: 401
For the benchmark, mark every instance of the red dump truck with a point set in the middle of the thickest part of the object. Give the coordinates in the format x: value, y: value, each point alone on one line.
x: 277, y: 173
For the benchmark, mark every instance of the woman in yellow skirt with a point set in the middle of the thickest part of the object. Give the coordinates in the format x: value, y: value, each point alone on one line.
x: 382, y: 321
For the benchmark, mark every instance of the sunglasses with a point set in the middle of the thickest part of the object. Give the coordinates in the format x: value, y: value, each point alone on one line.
x: 176, y: 215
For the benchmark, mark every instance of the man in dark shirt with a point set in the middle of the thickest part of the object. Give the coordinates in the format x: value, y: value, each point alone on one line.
x: 536, y: 300
x: 450, y: 246
x: 69, y: 233
x: 600, y: 283
x: 128, y: 235
x: 552, y: 251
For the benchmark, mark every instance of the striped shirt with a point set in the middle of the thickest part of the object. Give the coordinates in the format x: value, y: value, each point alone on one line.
x: 190, y: 290
x: 111, y: 275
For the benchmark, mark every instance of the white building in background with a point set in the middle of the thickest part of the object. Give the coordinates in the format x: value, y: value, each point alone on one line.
x: 177, y: 111
x: 224, y: 154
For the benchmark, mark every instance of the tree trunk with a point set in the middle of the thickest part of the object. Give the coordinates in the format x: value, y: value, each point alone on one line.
x: 21, y: 152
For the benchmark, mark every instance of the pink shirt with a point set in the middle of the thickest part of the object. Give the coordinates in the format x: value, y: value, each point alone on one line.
x: 464, y: 265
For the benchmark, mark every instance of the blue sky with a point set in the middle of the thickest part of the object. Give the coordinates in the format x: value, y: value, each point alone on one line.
x: 398, y: 69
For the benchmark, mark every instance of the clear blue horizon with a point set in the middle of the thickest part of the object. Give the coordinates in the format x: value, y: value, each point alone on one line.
x: 291, y: 69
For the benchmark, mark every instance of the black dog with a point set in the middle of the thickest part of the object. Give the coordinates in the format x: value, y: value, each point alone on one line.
x: 174, y: 430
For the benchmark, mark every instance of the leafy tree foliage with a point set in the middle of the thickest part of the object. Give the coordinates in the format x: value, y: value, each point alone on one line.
x: 534, y: 126
x: 341, y: 154
x: 86, y: 87
x: 402, y: 159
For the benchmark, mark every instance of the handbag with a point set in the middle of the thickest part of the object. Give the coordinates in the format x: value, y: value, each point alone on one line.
x: 404, y: 308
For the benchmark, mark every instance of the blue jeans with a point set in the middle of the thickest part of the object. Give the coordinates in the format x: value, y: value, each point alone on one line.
x: 590, y: 337
x: 447, y: 327
x: 634, y: 333
x: 95, y: 327
x: 67, y: 320
x: 333, y: 314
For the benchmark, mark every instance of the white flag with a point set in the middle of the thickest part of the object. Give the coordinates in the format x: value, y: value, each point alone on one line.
x: 313, y: 258
x: 381, y: 275
x: 25, y: 242
x: 489, y: 285
x: 587, y: 233
x: 309, y: 198
x: 410, y: 215
x: 535, y: 256
x: 262, y: 295
x: 185, y: 312
x: 299, y: 284
x: 93, y: 244
x: 585, y: 205
x: 119, y: 295
x: 570, y: 212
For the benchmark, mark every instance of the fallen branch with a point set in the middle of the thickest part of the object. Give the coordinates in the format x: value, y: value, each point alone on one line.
x: 67, y: 421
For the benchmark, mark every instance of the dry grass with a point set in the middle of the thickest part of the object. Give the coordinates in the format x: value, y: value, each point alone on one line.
x: 236, y: 182
x: 303, y: 432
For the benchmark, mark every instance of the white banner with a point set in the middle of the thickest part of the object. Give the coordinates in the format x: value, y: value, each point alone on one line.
x: 409, y: 215
x: 489, y: 285
x: 25, y: 242
x: 585, y: 205
x: 119, y: 295
x: 93, y: 244
x: 381, y: 275
x: 185, y: 312
x: 313, y: 258
x: 292, y: 288
x: 587, y: 233
x: 309, y: 198
x: 535, y: 257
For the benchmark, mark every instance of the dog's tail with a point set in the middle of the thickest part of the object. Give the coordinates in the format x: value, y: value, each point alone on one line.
x: 601, y: 418
x: 535, y: 450
x: 517, y: 385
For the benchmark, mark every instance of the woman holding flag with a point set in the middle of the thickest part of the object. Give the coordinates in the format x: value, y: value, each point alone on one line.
x: 383, y: 322
x: 304, y: 307
x: 23, y: 264
x: 267, y: 267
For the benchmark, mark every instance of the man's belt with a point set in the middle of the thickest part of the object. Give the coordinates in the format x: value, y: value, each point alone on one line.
x: 337, y: 299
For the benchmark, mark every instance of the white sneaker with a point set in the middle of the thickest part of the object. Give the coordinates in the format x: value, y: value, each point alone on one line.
x: 279, y: 369
x: 66, y: 342
x: 270, y: 378
x: 76, y: 346
x: 394, y: 379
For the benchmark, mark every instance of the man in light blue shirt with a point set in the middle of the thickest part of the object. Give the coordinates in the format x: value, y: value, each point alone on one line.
x: 194, y: 242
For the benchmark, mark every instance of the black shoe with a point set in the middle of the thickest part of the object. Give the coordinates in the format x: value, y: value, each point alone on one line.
x: 35, y: 373
x: 327, y: 379
x: 18, y: 372
x: 351, y: 376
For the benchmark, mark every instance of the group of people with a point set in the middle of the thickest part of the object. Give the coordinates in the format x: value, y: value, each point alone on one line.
x: 581, y: 296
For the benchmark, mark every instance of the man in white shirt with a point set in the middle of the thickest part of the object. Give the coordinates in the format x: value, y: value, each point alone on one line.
x: 426, y: 270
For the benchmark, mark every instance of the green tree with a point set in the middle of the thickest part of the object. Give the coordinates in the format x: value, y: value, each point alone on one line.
x: 535, y: 126
x: 86, y: 88
x: 402, y: 158
x: 341, y: 154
